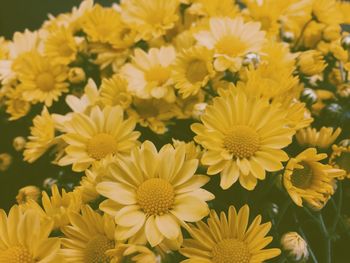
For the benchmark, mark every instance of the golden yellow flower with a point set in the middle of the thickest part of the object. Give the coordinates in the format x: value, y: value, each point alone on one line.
x: 24, y: 238
x: 101, y: 134
x: 60, y: 46
x: 41, y: 80
x: 230, y: 39
x: 113, y: 91
x: 326, y: 11
x: 152, y: 18
x: 149, y: 74
x: 322, y: 139
x: 153, y: 193
x: 213, y: 8
x: 340, y: 157
x: 308, y: 180
x: 57, y: 206
x: 88, y: 236
x: 42, y: 136
x: 229, y: 239
x: 311, y: 62
x: 192, y: 70
x: 243, y: 137
x: 16, y: 105
x: 26, y: 193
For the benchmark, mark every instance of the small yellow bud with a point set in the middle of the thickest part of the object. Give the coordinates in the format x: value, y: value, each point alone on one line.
x: 331, y: 32
x: 295, y: 246
x: 26, y: 193
x: 5, y: 161
x: 311, y: 62
x: 18, y: 143
x: 76, y: 75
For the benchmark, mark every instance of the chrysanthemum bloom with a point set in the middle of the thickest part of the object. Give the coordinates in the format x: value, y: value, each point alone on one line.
x: 231, y: 39
x: 213, y: 8
x: 101, y: 134
x: 243, y: 137
x: 192, y: 70
x: 58, y: 205
x: 150, y: 18
x: 113, y: 91
x: 26, y: 193
x: 60, y: 46
x: 153, y: 193
x: 326, y: 11
x: 24, y: 238
x: 229, y: 239
x: 16, y: 105
x: 306, y: 179
x: 41, y: 80
x: 340, y: 157
x: 322, y: 139
x: 295, y: 246
x: 311, y: 62
x: 88, y: 237
x: 41, y: 138
x: 149, y: 74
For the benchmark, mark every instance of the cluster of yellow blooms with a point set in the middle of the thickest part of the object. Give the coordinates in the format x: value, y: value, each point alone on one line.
x: 240, y: 71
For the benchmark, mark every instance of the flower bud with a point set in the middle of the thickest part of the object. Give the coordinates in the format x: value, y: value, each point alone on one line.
x: 18, y: 143
x: 5, y: 161
x: 295, y: 246
x: 345, y: 42
x: 76, y: 75
x: 26, y: 193
x: 308, y: 96
x: 331, y: 32
x: 251, y: 59
x: 198, y: 110
x: 311, y: 62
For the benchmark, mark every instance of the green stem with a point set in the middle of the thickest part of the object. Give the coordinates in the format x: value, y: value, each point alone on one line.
x: 296, y: 45
x: 283, y: 211
x: 338, y: 208
x: 327, y: 239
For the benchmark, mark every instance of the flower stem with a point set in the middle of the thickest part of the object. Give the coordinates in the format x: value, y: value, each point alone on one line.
x: 327, y: 239
x: 296, y: 45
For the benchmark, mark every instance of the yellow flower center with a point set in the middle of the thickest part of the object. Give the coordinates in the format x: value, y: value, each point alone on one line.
x: 302, y: 178
x: 231, y: 46
x: 101, y: 145
x: 196, y: 71
x: 155, y: 196
x: 157, y: 74
x: 16, y: 254
x: 45, y: 81
x: 96, y: 248
x: 242, y: 141
x: 231, y: 251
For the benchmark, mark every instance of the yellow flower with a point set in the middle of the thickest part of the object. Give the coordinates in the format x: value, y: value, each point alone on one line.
x: 243, y: 137
x: 58, y: 206
x: 308, y: 180
x: 311, y: 62
x: 229, y: 239
x: 88, y: 236
x: 295, y: 246
x: 153, y: 193
x: 26, y: 193
x: 213, y: 8
x: 230, y: 39
x: 326, y: 11
x: 113, y: 91
x: 99, y: 135
x: 24, y: 238
x: 60, y: 46
x: 76, y: 75
x: 16, y: 104
x: 135, y: 253
x: 150, y: 18
x: 41, y: 138
x: 41, y: 80
x: 322, y: 139
x: 192, y: 70
x: 149, y: 74
x: 340, y: 157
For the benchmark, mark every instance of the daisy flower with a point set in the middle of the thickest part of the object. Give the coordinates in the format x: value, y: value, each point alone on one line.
x: 230, y: 39
x: 243, y: 138
x: 98, y: 135
x: 41, y: 80
x: 41, y: 138
x: 24, y: 238
x: 153, y: 193
x: 16, y: 105
x: 150, y: 18
x: 340, y: 157
x: 322, y: 138
x: 149, y: 74
x: 229, y: 239
x: 113, y: 91
x: 192, y: 70
x: 308, y: 180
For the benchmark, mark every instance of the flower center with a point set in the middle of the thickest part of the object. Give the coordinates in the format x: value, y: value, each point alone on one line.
x: 242, y: 141
x: 45, y: 81
x: 155, y: 196
x: 231, y: 46
x: 302, y: 178
x: 101, y: 145
x: 158, y: 74
x: 16, y: 254
x: 230, y: 251
x: 196, y: 71
x: 96, y: 248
